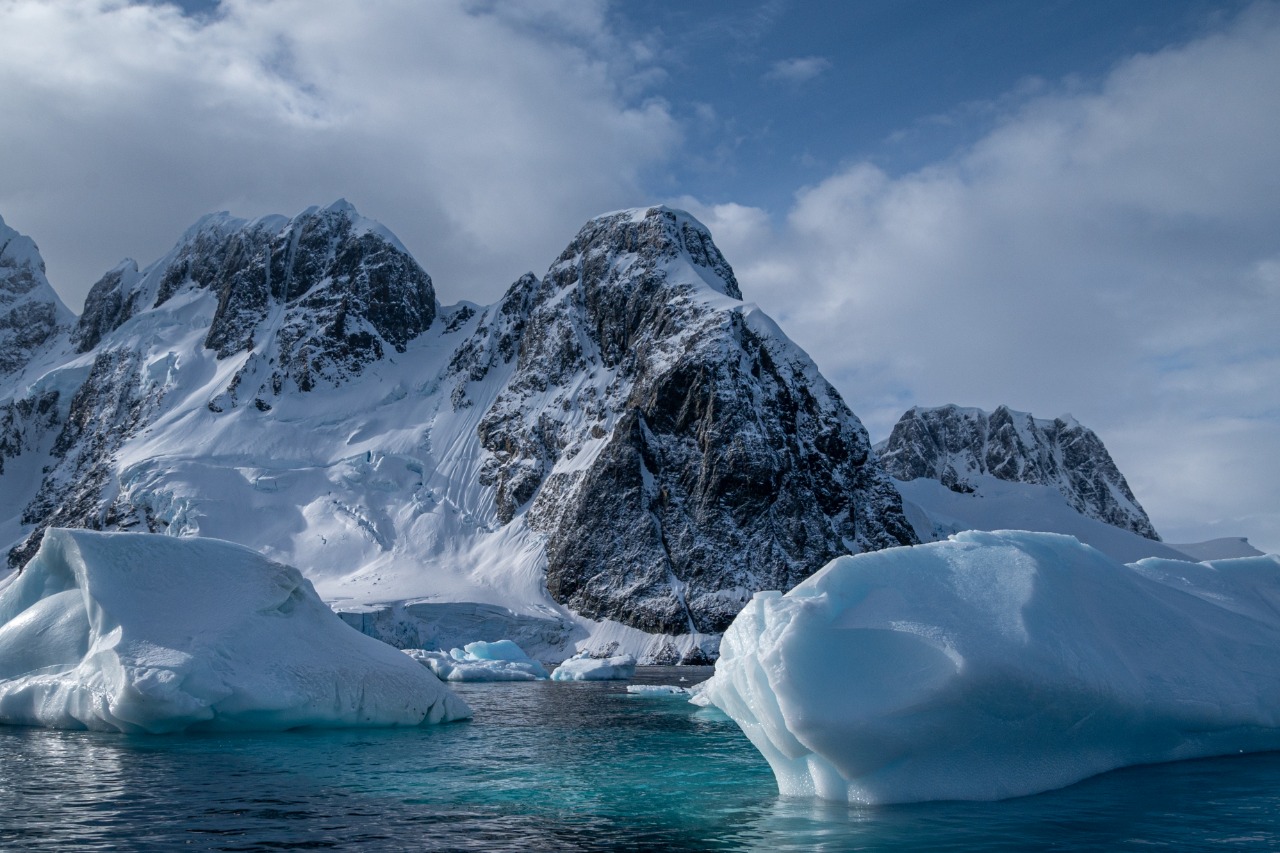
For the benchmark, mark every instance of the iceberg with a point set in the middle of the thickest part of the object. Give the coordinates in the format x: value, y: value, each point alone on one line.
x: 502, y: 660
x: 999, y: 664
x: 144, y: 633
x: 583, y: 667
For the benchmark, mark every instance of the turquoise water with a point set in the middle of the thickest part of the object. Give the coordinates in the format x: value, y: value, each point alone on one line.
x: 551, y: 766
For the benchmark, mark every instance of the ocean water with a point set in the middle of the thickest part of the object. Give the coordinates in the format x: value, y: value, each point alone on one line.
x: 555, y: 766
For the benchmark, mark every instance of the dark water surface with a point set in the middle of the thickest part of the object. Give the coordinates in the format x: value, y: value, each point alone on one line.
x: 556, y: 766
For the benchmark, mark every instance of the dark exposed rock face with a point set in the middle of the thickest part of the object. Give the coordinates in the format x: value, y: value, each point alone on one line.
x: 343, y: 292
x: 953, y: 445
x: 716, y: 461
x: 317, y: 297
x: 31, y: 315
x: 111, y: 301
x: 111, y: 405
x: 25, y: 422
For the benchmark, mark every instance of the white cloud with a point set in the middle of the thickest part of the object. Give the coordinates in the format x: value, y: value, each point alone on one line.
x: 484, y: 135
x: 1111, y: 253
x: 797, y: 70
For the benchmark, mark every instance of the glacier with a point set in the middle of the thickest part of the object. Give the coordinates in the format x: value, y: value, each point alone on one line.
x: 501, y: 660
x: 143, y: 633
x: 1000, y: 664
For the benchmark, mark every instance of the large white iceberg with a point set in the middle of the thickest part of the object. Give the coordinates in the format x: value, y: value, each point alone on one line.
x: 142, y: 633
x: 583, y: 667
x: 501, y: 660
x: 1000, y: 664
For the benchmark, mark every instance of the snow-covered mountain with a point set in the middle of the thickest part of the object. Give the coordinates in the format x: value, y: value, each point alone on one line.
x: 957, y: 446
x: 618, y: 453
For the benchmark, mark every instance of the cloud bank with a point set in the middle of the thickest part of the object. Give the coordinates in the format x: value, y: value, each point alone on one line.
x: 483, y: 134
x: 1114, y: 253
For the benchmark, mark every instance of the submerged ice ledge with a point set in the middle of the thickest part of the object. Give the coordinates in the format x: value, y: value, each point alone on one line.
x: 1001, y: 664
x: 137, y: 632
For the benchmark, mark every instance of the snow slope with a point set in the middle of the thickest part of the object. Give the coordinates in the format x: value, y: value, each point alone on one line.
x: 996, y: 665
x: 937, y: 512
x: 154, y: 634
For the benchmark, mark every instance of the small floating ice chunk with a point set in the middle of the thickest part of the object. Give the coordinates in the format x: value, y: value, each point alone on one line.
x: 502, y: 660
x: 135, y: 632
x: 662, y: 690
x: 1000, y: 664
x: 582, y: 667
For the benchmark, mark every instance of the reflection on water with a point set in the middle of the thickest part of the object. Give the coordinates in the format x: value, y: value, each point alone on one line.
x: 565, y: 766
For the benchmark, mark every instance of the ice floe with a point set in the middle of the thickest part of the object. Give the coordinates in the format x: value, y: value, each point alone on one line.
x: 502, y: 660
x: 583, y: 667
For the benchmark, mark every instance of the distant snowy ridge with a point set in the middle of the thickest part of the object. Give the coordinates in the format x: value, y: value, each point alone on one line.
x: 957, y: 446
x: 1226, y: 548
x: 613, y: 457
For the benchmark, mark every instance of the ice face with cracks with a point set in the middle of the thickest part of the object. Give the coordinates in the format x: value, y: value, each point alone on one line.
x: 1000, y: 664
x: 136, y: 632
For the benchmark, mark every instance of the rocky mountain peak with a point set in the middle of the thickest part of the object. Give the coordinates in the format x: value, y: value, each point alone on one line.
x: 31, y: 314
x: 722, y: 463
x: 957, y: 445
x: 313, y: 298
x: 112, y: 300
x: 647, y: 239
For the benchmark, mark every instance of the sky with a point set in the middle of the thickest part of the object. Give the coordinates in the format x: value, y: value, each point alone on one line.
x: 1068, y: 206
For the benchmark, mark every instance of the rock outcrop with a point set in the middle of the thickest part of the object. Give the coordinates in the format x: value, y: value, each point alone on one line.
x: 31, y: 314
